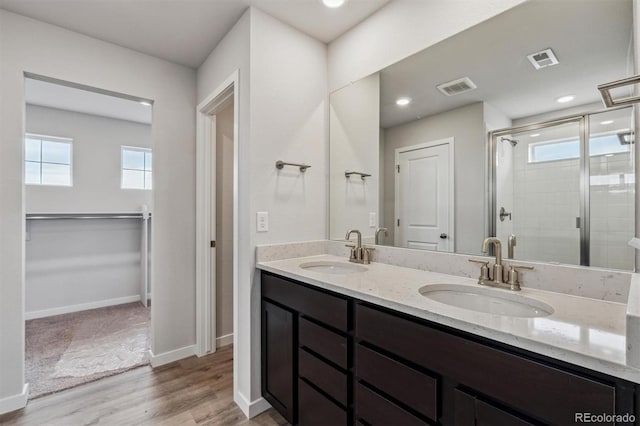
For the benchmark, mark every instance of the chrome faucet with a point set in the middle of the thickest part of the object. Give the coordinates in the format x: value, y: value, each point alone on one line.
x: 378, y: 231
x: 359, y: 254
x: 496, y: 278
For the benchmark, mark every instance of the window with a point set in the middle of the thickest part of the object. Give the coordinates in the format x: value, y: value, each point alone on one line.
x: 136, y: 168
x: 568, y: 149
x: 47, y: 160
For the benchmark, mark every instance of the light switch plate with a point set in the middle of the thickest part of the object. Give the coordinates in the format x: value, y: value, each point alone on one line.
x: 373, y: 219
x: 262, y: 221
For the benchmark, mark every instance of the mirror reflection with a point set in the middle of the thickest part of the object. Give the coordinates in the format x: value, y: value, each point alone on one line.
x: 499, y: 130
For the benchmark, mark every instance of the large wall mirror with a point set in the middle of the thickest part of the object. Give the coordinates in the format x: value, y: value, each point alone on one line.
x: 499, y: 130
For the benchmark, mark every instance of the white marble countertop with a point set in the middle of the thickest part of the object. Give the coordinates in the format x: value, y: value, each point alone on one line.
x: 586, y: 332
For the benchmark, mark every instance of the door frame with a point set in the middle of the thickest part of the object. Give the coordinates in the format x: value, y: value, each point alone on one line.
x: 445, y: 141
x: 205, y: 213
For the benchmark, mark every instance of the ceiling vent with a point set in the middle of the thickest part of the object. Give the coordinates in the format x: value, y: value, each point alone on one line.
x: 544, y: 58
x: 455, y: 87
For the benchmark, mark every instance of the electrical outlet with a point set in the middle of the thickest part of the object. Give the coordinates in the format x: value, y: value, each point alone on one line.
x: 373, y: 219
x: 262, y: 221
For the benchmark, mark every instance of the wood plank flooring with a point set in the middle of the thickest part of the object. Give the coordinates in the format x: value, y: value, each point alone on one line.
x: 194, y: 391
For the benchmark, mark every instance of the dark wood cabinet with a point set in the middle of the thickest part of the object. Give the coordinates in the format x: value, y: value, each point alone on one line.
x: 331, y: 360
x: 278, y: 378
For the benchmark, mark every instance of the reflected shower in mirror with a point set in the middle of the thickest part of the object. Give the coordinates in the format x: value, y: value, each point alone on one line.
x: 426, y: 130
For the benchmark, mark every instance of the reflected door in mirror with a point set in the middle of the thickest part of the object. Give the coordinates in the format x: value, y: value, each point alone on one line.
x: 424, y: 204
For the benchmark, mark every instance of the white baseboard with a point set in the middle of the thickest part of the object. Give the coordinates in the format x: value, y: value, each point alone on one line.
x: 225, y: 340
x: 15, y: 402
x: 171, y: 356
x: 253, y: 408
x: 81, y: 307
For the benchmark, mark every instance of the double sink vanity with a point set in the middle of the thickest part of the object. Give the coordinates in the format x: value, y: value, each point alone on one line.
x: 398, y: 342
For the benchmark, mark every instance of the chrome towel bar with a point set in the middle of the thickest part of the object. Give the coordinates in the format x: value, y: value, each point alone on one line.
x: 280, y: 165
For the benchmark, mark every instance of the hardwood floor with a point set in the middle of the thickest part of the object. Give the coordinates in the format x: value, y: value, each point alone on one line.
x: 194, y: 391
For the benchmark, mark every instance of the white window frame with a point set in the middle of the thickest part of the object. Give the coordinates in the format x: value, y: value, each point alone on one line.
x: 124, y: 148
x: 49, y: 138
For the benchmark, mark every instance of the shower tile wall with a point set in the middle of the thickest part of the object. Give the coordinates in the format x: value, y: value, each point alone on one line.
x: 546, y: 204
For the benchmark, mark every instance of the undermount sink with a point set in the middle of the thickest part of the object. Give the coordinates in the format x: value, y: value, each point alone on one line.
x: 487, y: 300
x: 336, y: 268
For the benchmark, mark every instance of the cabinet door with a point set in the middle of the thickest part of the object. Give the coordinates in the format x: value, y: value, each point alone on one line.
x: 277, y: 359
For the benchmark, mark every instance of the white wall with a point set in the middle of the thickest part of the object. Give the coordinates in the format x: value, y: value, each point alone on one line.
x: 51, y: 51
x: 466, y: 126
x: 400, y: 29
x: 288, y: 122
x: 97, y: 143
x: 282, y: 116
x: 354, y: 145
x: 81, y: 262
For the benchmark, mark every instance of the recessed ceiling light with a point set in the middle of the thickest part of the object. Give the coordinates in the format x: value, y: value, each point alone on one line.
x: 534, y: 135
x: 565, y: 99
x: 606, y: 122
x: 145, y: 103
x: 333, y: 3
x: 403, y: 101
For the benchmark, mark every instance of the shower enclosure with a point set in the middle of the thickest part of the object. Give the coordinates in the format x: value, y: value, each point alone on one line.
x: 564, y: 190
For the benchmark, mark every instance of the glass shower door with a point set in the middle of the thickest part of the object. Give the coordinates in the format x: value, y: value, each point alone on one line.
x: 538, y: 197
x: 611, y: 189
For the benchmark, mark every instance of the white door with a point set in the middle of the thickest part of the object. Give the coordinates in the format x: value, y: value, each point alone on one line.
x: 424, y: 196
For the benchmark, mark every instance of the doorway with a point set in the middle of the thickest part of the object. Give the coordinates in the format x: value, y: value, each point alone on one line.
x: 565, y: 189
x: 216, y: 219
x: 424, y: 205
x: 88, y: 161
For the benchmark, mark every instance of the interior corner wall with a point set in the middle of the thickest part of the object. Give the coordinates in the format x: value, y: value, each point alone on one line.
x: 400, y: 29
x: 283, y: 101
x: 51, y: 51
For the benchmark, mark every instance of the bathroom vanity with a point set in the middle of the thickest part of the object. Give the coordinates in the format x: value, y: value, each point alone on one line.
x: 334, y: 355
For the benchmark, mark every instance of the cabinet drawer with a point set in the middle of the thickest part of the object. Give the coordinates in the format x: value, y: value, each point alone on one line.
x: 525, y: 385
x: 316, y: 410
x: 471, y: 411
x: 324, y: 376
x: 376, y: 410
x: 414, y: 388
x: 324, y: 342
x: 331, y: 310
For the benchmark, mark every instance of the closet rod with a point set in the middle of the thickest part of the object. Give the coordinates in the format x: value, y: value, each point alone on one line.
x: 56, y: 216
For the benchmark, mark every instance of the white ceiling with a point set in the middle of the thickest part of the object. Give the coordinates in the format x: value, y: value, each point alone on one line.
x: 591, y: 41
x: 68, y: 98
x: 186, y: 31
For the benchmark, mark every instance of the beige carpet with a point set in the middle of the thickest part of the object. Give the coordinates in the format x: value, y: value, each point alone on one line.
x: 67, y: 350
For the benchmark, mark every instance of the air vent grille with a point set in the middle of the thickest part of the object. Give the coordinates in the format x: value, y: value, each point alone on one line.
x: 456, y: 87
x: 544, y: 58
